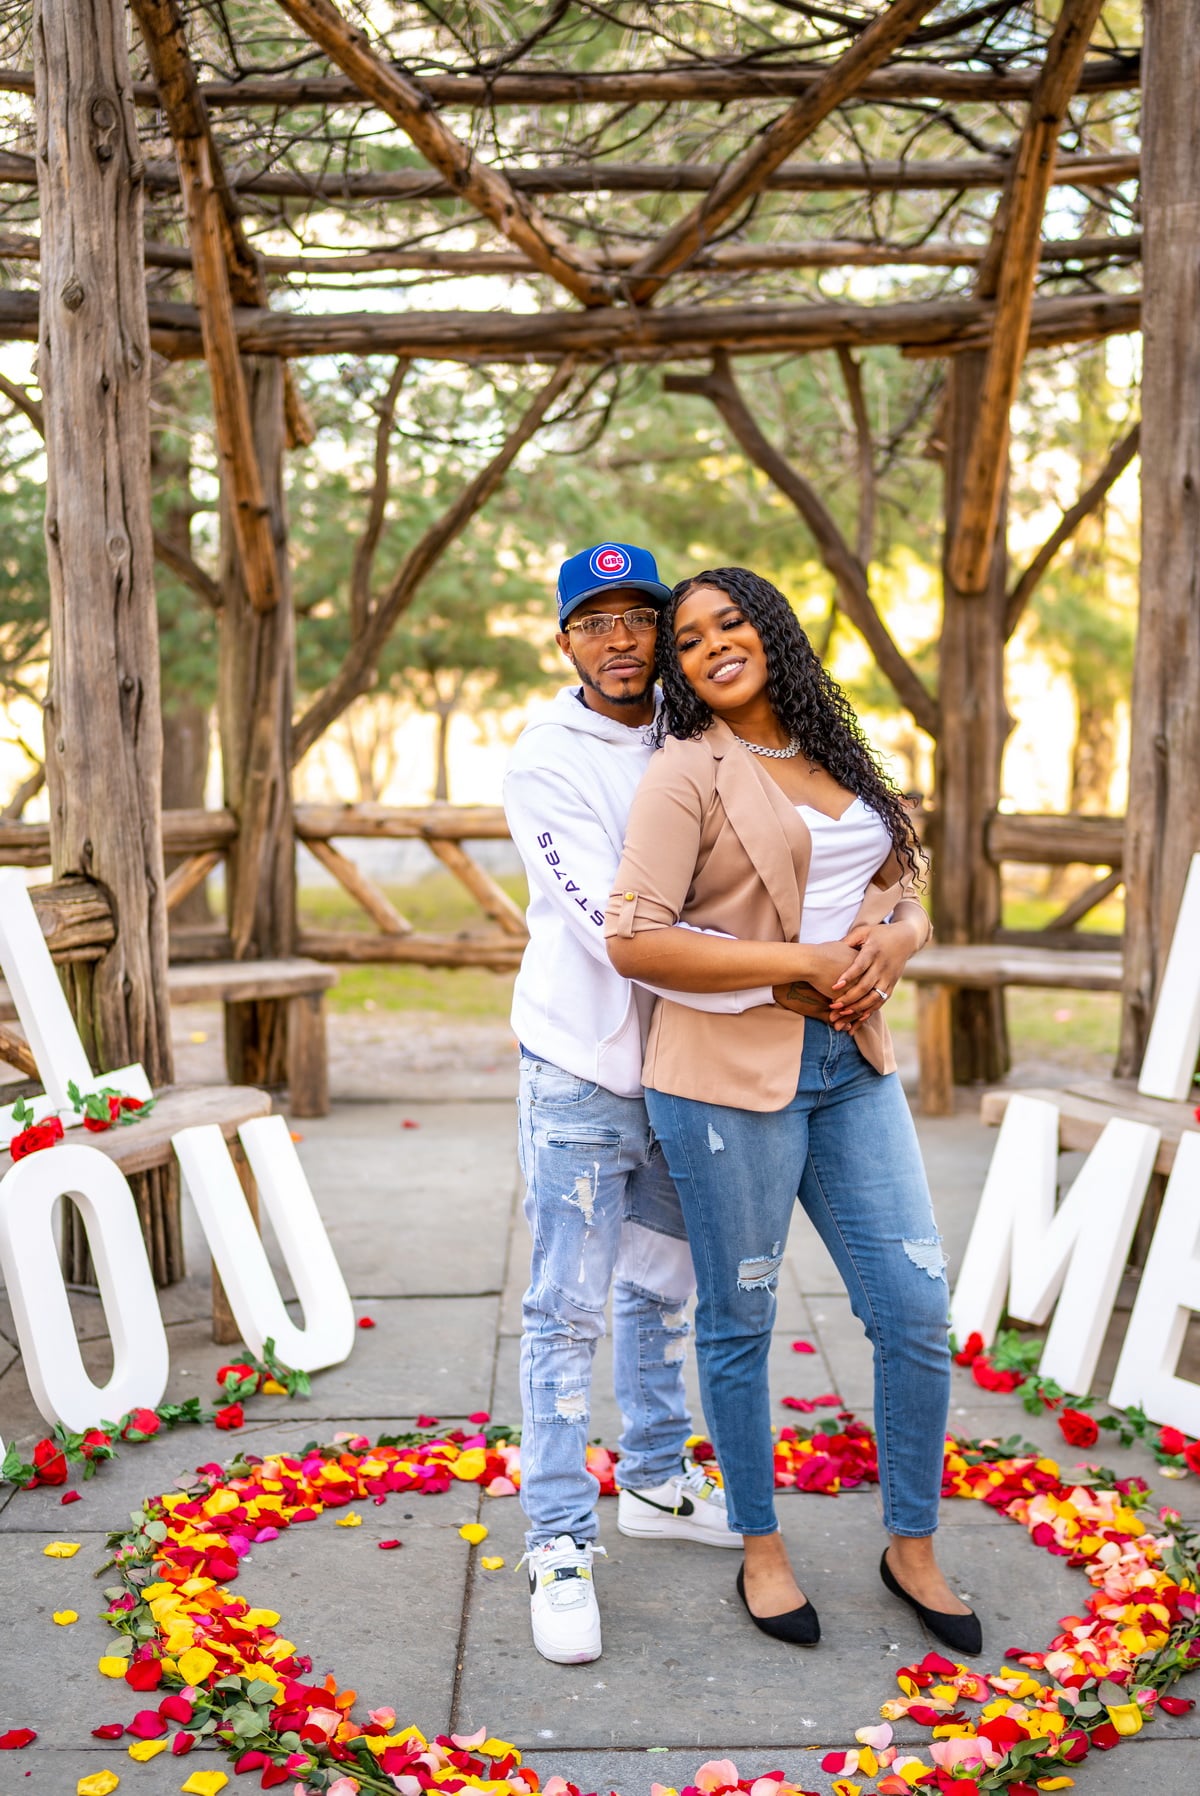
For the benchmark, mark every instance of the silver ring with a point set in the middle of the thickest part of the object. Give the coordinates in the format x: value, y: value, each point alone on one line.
x: 881, y: 993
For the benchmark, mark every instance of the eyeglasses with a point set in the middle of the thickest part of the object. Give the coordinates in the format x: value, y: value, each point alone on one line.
x: 603, y: 623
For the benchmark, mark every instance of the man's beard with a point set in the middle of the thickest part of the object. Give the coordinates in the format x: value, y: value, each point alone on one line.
x: 617, y: 698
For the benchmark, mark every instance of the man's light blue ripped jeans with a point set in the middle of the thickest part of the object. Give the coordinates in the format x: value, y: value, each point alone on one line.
x: 603, y: 1215
x: 846, y: 1147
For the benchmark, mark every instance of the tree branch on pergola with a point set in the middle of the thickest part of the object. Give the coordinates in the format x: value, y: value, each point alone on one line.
x: 170, y: 554
x: 404, y: 101
x: 357, y: 672
x: 162, y: 28
x: 1012, y: 263
x: 747, y: 174
x: 720, y: 387
x: 221, y: 262
x: 1090, y: 500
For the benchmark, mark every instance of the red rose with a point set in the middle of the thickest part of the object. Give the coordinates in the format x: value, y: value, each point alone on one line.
x: 1191, y: 1456
x: 140, y: 1424
x: 144, y: 1674
x: 129, y: 1104
x: 1078, y: 1430
x: 1171, y: 1441
x: 971, y: 1348
x: 49, y: 1464
x: 96, y: 1442
x: 36, y: 1136
x: 237, y: 1373
x: 232, y: 1416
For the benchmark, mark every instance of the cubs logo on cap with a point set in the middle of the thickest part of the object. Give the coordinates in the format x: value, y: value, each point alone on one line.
x: 609, y: 562
x: 594, y: 571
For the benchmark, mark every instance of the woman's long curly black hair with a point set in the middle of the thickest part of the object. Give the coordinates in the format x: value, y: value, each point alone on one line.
x: 806, y: 701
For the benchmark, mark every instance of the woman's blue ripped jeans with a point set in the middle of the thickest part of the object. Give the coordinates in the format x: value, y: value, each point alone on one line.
x: 604, y: 1216
x: 845, y: 1146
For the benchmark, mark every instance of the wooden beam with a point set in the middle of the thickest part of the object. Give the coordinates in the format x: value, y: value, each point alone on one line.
x: 1023, y: 207
x: 1088, y: 501
x: 490, y: 897
x: 1116, y: 73
x: 747, y: 175
x: 1054, y: 841
x: 498, y: 953
x: 15, y: 1051
x: 1112, y: 169
x: 163, y: 33
x: 363, y: 890
x: 929, y: 327
x: 440, y: 822
x: 190, y: 874
x: 217, y: 261
x: 1163, y: 819
x: 833, y: 252
x: 409, y: 106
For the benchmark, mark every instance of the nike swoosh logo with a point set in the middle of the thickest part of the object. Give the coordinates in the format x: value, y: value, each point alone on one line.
x: 685, y: 1507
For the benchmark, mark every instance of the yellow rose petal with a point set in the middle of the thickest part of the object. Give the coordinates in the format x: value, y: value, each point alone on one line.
x: 348, y: 1521
x: 492, y: 1564
x: 271, y: 1387
x: 64, y: 1617
x: 144, y: 1750
x: 112, y: 1667
x: 62, y: 1549
x: 473, y: 1532
x: 98, y: 1784
x: 194, y: 1665
x: 204, y: 1783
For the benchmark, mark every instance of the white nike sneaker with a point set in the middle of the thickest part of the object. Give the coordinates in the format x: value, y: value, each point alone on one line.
x: 562, y: 1601
x: 689, y: 1506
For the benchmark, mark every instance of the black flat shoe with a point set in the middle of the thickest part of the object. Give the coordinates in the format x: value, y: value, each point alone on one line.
x: 961, y: 1633
x: 799, y: 1627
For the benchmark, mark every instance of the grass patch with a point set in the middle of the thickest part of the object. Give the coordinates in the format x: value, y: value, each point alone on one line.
x: 438, y: 905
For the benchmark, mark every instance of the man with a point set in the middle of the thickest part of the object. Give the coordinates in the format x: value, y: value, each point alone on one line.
x: 600, y: 1205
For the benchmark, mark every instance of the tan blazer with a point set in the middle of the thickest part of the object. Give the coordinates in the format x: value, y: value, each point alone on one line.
x: 713, y: 841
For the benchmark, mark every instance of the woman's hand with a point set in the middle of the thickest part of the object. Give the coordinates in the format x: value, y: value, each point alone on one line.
x: 881, y: 953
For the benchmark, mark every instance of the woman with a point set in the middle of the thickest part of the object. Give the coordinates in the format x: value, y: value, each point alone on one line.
x: 766, y: 818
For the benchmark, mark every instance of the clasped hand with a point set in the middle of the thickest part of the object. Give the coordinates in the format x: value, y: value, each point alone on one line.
x: 854, y: 977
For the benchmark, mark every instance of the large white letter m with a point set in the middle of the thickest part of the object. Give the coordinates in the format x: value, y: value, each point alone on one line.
x: 1027, y: 1249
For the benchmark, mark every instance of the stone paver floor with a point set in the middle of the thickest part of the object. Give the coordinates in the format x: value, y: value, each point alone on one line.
x: 426, y: 1224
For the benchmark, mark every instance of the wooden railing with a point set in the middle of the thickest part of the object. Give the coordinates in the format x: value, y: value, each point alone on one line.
x: 77, y: 922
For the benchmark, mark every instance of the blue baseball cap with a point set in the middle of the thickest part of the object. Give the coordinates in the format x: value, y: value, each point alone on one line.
x: 593, y: 572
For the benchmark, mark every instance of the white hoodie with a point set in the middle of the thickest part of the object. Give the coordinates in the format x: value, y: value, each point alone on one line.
x: 567, y: 795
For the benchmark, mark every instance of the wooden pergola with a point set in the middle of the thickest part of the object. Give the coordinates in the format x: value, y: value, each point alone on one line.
x: 118, y: 205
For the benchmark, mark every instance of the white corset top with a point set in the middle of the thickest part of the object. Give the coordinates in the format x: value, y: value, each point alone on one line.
x: 846, y: 853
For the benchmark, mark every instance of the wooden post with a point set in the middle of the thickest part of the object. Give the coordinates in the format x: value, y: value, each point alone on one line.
x: 1163, y: 818
x: 974, y: 726
x: 103, y: 726
x: 254, y: 703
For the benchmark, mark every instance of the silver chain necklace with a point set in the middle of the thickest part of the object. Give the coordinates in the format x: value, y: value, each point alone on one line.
x: 773, y: 754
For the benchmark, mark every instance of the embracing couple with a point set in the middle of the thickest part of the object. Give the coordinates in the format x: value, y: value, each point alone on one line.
x: 722, y: 899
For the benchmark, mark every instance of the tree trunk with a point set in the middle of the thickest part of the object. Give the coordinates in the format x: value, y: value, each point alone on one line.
x: 1163, y: 818
x: 256, y: 683
x: 103, y: 725
x: 975, y: 726
x: 441, y: 786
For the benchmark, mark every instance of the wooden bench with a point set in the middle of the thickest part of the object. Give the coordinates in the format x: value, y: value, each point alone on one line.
x: 142, y: 1146
x: 939, y: 971
x: 301, y: 983
x: 1086, y: 1105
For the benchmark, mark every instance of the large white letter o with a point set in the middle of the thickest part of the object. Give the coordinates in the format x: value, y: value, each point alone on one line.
x: 60, y: 1385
